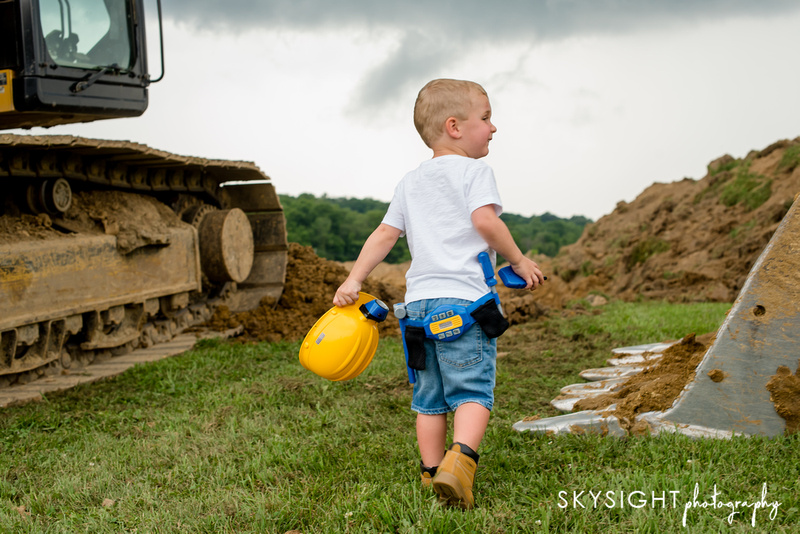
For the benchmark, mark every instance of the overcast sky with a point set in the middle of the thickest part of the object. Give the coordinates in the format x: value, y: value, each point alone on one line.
x: 594, y: 100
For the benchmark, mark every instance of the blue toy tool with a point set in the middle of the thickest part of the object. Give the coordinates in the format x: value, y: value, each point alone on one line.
x: 400, y: 313
x: 511, y: 279
x: 491, y: 281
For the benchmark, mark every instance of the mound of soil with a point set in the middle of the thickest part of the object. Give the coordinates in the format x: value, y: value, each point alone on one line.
x: 688, y: 240
x: 311, y: 283
x: 657, y: 386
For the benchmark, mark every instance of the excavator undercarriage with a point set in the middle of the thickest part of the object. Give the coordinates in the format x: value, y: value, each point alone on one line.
x: 109, y: 246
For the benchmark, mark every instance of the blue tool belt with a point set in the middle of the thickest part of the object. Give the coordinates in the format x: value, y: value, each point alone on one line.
x: 448, y: 323
x: 451, y: 321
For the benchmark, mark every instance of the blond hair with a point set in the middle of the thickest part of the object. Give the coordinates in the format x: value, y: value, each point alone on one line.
x: 439, y: 100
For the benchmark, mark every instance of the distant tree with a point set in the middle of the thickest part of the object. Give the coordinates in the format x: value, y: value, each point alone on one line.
x: 544, y: 234
x: 336, y: 228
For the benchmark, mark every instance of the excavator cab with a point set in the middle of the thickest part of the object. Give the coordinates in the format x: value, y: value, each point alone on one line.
x: 66, y: 61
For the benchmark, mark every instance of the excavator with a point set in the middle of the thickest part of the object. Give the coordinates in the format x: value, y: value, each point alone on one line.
x: 109, y: 247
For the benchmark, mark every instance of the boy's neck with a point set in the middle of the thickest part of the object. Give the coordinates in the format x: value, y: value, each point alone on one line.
x: 439, y: 151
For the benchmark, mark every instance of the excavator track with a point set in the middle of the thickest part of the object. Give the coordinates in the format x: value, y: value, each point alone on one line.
x: 112, y: 247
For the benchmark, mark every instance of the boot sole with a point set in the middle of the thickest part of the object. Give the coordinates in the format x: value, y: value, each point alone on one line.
x: 450, y: 490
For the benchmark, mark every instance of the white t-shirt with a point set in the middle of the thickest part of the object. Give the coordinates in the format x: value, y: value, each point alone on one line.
x: 432, y: 206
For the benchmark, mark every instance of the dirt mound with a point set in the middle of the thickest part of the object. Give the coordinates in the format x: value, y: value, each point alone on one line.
x: 657, y: 386
x: 688, y: 240
x: 311, y: 282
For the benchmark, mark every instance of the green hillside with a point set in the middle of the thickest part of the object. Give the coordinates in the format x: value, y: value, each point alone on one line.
x: 337, y: 227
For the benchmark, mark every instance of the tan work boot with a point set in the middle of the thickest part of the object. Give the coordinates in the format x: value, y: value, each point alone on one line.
x: 427, y: 474
x: 455, y: 476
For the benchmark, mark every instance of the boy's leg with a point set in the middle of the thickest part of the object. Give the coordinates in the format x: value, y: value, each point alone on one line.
x: 431, y: 438
x: 469, y: 424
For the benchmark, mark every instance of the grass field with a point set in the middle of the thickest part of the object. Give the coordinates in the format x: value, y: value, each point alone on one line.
x: 240, y: 438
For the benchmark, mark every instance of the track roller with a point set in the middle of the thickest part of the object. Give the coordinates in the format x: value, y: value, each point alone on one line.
x: 226, y: 245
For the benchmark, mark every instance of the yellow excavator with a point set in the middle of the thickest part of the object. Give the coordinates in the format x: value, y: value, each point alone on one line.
x: 107, y: 247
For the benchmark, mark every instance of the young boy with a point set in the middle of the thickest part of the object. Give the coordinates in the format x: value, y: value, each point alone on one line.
x: 448, y: 209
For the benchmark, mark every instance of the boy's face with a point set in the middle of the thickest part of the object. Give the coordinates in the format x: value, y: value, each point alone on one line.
x: 477, y: 130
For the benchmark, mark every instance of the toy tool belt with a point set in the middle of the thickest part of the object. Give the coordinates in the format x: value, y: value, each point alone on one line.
x: 451, y: 321
x: 447, y: 323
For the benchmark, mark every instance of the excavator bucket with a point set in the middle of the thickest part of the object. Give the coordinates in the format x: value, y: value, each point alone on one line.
x: 747, y: 381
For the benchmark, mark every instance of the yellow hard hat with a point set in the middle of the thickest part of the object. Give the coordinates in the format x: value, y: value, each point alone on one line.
x: 342, y: 342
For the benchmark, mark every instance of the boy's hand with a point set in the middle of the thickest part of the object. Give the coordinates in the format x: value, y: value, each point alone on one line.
x: 347, y: 293
x: 375, y: 249
x: 529, y: 271
x: 496, y: 234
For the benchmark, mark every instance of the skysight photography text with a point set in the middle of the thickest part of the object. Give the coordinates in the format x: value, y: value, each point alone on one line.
x: 697, y: 501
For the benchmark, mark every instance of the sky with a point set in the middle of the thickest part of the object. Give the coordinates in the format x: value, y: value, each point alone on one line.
x: 594, y: 100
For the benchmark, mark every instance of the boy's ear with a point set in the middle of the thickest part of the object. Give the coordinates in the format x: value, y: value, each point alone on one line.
x: 451, y: 127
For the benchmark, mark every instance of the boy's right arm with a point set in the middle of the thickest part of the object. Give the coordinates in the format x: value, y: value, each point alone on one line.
x: 375, y: 249
x: 496, y: 234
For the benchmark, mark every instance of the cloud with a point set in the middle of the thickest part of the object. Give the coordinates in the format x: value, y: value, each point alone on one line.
x: 417, y: 57
x: 434, y: 33
x: 466, y: 20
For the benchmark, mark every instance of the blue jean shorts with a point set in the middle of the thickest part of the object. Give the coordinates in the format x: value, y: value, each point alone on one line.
x: 455, y: 371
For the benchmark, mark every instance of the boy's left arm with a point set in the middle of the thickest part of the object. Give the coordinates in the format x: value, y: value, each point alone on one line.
x: 375, y: 249
x: 497, y: 235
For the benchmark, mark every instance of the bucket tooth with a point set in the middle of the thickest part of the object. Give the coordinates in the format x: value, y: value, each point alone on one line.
x: 641, y: 349
x: 589, y: 388
x: 564, y: 404
x: 639, y: 354
x: 605, y: 373
x: 634, y: 359
x: 574, y: 423
x: 573, y: 393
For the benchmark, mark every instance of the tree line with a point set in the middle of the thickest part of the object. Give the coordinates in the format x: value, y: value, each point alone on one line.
x: 336, y: 228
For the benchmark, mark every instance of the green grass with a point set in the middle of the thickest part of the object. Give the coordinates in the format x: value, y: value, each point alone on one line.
x: 240, y: 438
x: 740, y: 186
x: 748, y: 188
x: 722, y: 167
x: 790, y: 158
x: 644, y: 249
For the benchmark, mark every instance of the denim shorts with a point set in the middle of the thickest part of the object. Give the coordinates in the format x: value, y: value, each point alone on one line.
x: 455, y: 371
